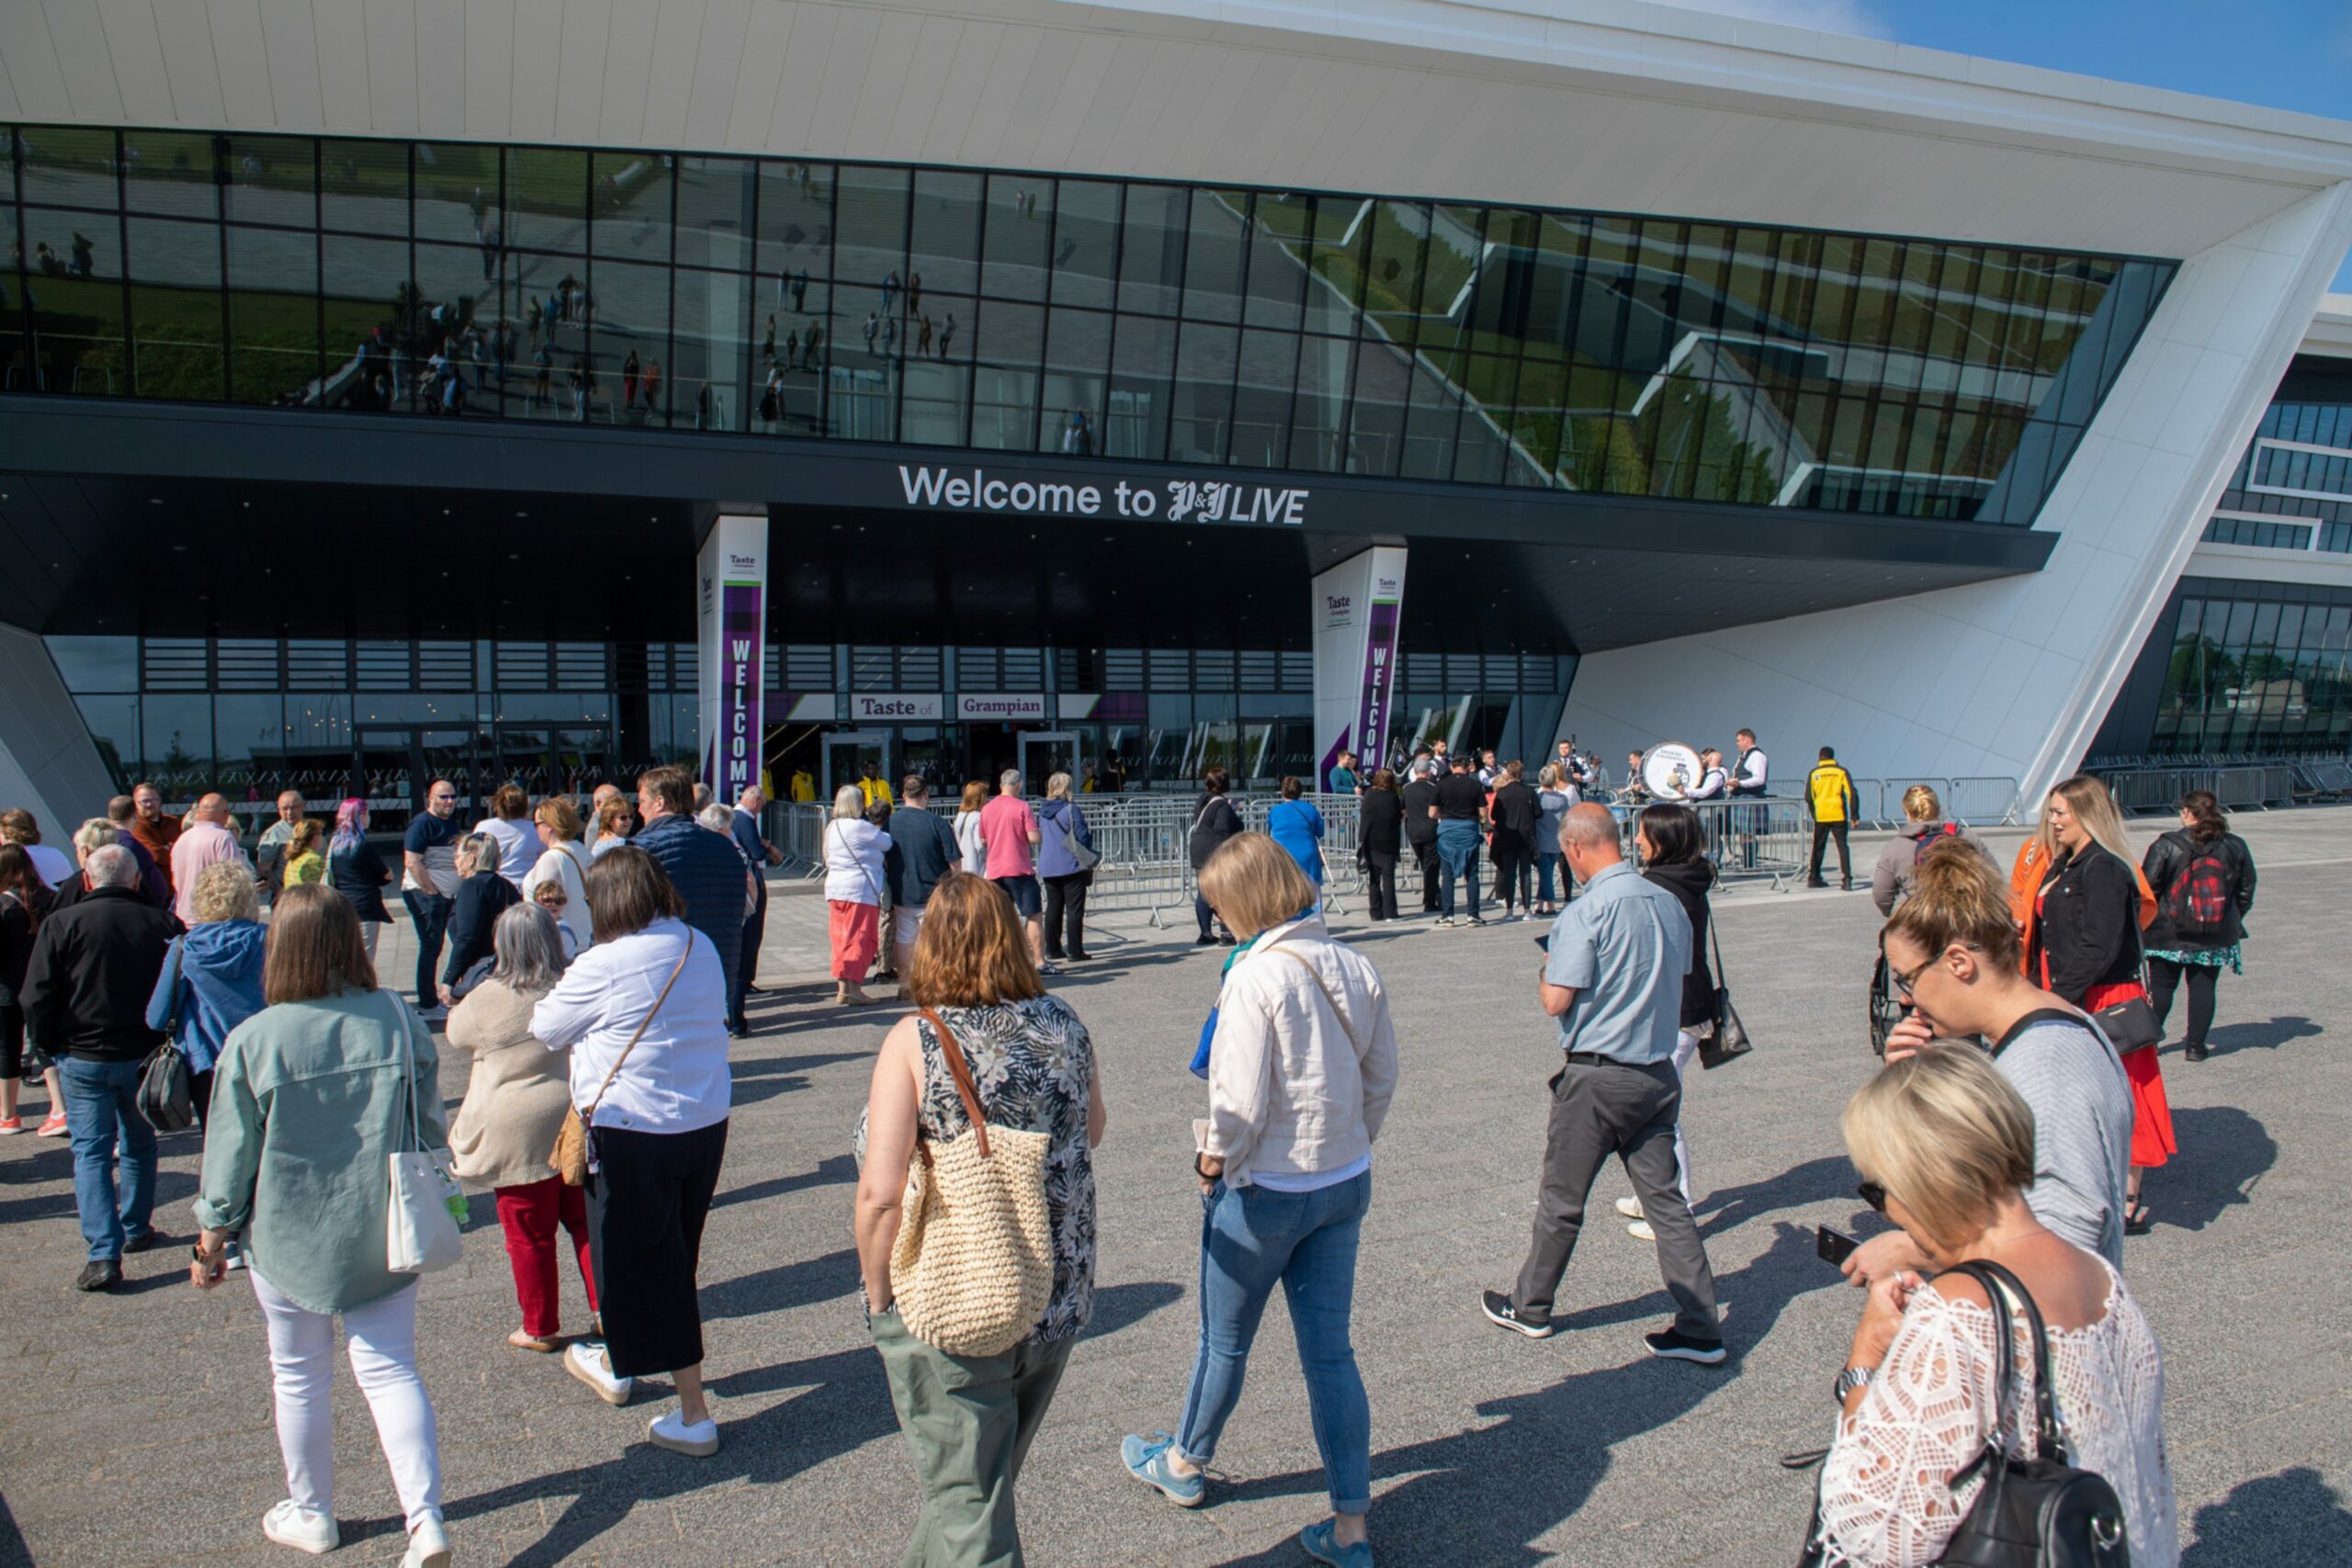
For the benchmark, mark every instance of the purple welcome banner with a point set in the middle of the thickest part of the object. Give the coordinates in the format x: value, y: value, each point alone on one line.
x: 1379, y: 683
x: 742, y: 633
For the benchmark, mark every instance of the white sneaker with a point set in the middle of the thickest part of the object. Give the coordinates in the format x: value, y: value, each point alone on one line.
x: 680, y: 1435
x: 1640, y: 1231
x: 1630, y: 1207
x: 592, y: 1366
x: 291, y: 1524
x: 428, y: 1545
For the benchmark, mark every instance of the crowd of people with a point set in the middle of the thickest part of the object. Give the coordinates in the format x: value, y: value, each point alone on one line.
x: 596, y: 983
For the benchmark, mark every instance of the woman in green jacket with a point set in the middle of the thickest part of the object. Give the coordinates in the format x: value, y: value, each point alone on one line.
x: 310, y: 1099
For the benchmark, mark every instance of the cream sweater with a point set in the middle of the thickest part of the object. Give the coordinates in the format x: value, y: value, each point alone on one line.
x: 516, y: 1098
x: 1294, y: 1088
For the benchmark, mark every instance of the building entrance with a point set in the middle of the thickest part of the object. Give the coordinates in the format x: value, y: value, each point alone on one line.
x: 391, y: 769
x: 1045, y: 753
x: 850, y: 754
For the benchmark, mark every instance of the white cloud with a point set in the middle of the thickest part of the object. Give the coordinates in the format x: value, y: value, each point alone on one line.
x: 1857, y: 18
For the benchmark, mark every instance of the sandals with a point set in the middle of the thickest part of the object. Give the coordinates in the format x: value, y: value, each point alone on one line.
x: 522, y: 1339
x: 2138, y: 1220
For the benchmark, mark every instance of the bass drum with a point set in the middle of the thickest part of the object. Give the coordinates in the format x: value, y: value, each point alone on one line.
x: 1670, y: 771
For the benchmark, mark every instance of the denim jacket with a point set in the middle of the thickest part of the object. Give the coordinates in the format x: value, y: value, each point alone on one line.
x: 309, y: 1101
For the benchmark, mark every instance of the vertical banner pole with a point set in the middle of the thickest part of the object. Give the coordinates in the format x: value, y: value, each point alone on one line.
x: 1358, y: 607
x: 731, y: 620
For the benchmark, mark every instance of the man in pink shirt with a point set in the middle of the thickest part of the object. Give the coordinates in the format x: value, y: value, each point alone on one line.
x: 205, y: 842
x: 1009, y: 833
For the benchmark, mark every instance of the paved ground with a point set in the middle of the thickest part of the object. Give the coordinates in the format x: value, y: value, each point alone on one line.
x: 137, y: 1428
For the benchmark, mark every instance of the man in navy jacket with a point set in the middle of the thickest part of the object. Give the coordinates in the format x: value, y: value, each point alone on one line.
x: 703, y: 866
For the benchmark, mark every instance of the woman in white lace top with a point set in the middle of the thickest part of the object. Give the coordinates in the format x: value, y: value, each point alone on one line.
x: 1945, y: 1147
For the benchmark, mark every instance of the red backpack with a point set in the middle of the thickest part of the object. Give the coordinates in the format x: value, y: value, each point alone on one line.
x: 1920, y: 845
x: 2198, y: 902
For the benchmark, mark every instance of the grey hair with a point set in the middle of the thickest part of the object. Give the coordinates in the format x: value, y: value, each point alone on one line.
x: 96, y: 833
x: 110, y: 865
x: 1009, y: 780
x: 481, y: 844
x: 529, y: 949
x: 848, y: 801
x: 717, y: 818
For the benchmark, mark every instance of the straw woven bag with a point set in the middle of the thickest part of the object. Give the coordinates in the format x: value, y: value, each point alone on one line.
x: 973, y: 1267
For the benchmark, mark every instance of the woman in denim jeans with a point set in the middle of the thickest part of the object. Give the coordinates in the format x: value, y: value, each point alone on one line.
x: 1300, y: 1068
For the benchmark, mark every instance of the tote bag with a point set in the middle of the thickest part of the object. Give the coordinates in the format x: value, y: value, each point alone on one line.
x: 420, y: 1231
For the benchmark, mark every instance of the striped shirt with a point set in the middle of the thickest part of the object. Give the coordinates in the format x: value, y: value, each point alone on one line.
x: 2072, y: 1081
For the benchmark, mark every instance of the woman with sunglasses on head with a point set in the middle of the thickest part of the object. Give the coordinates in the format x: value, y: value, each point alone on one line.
x: 1948, y: 1151
x: 1951, y: 951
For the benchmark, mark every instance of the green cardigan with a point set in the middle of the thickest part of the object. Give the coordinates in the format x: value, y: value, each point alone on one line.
x: 308, y: 1104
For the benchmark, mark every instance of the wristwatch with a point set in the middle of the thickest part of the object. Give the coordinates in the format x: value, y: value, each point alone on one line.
x: 1849, y: 1380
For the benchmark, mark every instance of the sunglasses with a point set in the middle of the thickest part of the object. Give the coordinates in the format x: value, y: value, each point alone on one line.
x: 1874, y: 1194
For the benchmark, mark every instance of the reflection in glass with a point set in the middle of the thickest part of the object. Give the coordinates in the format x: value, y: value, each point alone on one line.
x: 113, y: 724
x: 176, y: 301
x: 170, y: 172
x: 364, y: 186
x: 274, y: 316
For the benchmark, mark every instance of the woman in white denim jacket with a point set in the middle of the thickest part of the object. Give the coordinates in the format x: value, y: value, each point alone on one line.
x: 1301, y: 1069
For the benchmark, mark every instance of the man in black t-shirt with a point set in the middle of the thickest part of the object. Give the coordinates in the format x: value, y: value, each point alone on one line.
x: 1419, y: 798
x: 1461, y: 809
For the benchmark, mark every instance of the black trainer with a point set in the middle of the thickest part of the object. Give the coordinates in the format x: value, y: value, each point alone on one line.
x: 1676, y: 1345
x: 2194, y: 1052
x: 141, y: 1242
x: 1503, y: 1314
x: 1204, y: 940
x: 99, y: 1274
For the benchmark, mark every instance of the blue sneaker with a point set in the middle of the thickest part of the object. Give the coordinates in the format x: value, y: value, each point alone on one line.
x: 1320, y: 1545
x: 1147, y: 1463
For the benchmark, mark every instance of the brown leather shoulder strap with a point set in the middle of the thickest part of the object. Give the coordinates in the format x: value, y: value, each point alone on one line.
x: 962, y: 1074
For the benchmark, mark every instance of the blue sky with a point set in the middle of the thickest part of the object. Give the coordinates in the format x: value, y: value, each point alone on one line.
x: 2289, y: 54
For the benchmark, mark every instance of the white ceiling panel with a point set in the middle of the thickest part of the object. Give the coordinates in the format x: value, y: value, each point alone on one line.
x: 291, y: 43
x: 490, y: 67
x: 138, y: 53
x: 745, y: 83
x: 669, y: 78
x: 441, y: 47
x: 391, y: 65
x: 539, y: 68
x: 629, y: 63
x: 84, y: 59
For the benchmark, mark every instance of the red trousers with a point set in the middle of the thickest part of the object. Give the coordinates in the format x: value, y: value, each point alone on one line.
x: 530, y: 1214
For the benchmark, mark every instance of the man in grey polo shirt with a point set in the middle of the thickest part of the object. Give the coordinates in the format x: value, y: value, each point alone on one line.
x: 1612, y: 979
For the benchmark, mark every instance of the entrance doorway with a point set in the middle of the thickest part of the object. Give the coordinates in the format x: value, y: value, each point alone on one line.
x: 391, y: 769
x: 1045, y: 753
x: 850, y: 753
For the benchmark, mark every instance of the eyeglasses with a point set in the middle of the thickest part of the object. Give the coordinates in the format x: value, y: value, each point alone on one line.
x: 1904, y: 980
x: 442, y: 799
x: 553, y: 902
x: 1873, y: 1194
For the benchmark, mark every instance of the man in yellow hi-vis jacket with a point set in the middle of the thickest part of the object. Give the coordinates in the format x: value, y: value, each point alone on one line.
x: 1829, y: 791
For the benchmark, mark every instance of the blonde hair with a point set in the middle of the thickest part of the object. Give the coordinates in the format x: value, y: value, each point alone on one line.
x: 1920, y: 805
x: 560, y: 815
x: 1945, y: 1133
x: 224, y: 891
x: 1058, y: 787
x: 1959, y: 901
x: 2087, y: 798
x: 1252, y: 882
x: 848, y: 801
x: 96, y: 834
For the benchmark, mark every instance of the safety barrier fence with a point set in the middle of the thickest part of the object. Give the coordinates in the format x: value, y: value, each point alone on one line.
x: 2253, y: 785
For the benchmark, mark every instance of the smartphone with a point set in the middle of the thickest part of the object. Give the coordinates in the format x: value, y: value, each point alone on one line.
x: 1834, y: 1245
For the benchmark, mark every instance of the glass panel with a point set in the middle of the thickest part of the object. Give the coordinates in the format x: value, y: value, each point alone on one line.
x: 1277, y: 280
x: 272, y: 317
x: 169, y: 171
x: 630, y: 196
x: 1376, y: 417
x: 176, y: 301
x: 630, y: 334
x: 937, y: 399
x: 546, y: 199
x: 367, y: 320
x: 1213, y: 255
x: 943, y: 249
x: 364, y: 186
x: 706, y: 388
x: 715, y: 213
x: 1316, y: 428
x: 1151, y: 253
x: 1004, y: 389
x: 1261, y: 408
x: 1336, y: 266
x: 68, y: 164
x: 1077, y: 357
x: 870, y: 238
x: 457, y: 189
x: 176, y: 743
x: 795, y: 202
x: 1086, y: 242
x: 1019, y: 233
x: 272, y: 179
x: 448, y: 289
x: 113, y: 724
x: 1143, y: 360
x: 1203, y: 406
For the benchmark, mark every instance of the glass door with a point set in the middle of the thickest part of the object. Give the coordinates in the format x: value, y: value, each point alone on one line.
x: 1045, y: 753
x: 392, y: 768
x: 850, y: 754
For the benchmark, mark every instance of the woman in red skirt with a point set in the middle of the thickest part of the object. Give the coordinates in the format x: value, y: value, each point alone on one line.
x: 2083, y: 944
x: 853, y: 852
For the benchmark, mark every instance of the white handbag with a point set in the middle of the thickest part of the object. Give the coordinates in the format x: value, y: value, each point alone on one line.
x: 421, y: 1230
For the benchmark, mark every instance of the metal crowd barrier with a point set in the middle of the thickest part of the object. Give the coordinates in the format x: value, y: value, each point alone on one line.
x: 1753, y: 839
x: 1985, y: 802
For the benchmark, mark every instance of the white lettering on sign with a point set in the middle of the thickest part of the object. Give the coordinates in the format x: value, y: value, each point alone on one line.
x: 1001, y: 705
x: 1189, y: 501
x: 902, y: 707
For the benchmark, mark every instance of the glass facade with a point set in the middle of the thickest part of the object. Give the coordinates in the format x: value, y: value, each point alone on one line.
x: 1449, y: 342
x: 2253, y: 667
x: 2292, y: 490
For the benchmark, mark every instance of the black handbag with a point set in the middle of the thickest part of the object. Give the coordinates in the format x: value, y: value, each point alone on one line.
x: 167, y: 1090
x: 1728, y: 1040
x: 2037, y: 1512
x: 2131, y: 1024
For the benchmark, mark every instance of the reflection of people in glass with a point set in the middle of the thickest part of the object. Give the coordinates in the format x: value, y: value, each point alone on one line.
x: 791, y: 350
x: 914, y: 293
x: 767, y: 343
x: 578, y: 379
x: 652, y: 386
x: 800, y: 291
x: 923, y: 339
x: 872, y: 325
x: 814, y: 345
x: 889, y: 289
x: 946, y: 335
x: 630, y: 368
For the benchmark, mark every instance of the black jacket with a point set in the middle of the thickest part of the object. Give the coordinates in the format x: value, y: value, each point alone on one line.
x: 1213, y: 821
x: 2090, y: 925
x: 94, y: 965
x: 2168, y: 859
x: 1515, y: 812
x: 1380, y: 823
x: 1688, y: 883
x: 17, y: 929
x: 1418, y: 798
x: 473, y: 920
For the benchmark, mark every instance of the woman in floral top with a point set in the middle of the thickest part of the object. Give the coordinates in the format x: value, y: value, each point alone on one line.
x: 969, y: 1419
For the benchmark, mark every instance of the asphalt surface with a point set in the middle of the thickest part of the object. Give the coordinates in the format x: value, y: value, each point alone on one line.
x: 137, y: 1427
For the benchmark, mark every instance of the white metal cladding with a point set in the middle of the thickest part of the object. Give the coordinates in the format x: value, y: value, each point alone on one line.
x: 1605, y: 105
